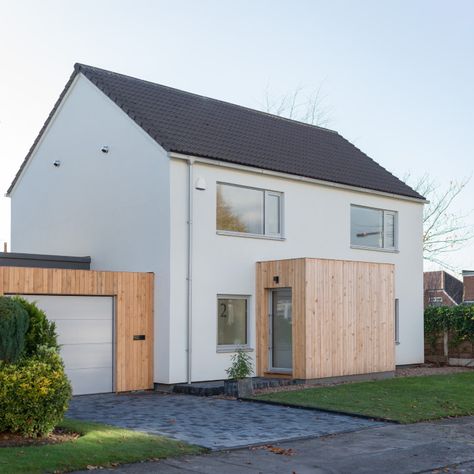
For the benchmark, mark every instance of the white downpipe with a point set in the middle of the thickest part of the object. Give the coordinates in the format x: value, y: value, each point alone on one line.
x: 189, y: 321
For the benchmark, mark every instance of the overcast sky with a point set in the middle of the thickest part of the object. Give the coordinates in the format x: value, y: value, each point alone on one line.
x: 398, y: 76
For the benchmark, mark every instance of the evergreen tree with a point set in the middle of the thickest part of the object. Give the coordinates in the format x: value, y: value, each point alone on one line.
x: 13, y: 326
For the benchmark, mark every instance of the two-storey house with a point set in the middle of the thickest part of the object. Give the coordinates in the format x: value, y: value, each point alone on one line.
x: 143, y: 177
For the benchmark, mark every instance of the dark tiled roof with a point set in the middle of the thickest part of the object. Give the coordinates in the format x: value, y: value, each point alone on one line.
x: 191, y: 124
x: 453, y: 287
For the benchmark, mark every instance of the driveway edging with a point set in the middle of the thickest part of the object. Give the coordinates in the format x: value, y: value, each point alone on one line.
x: 325, y: 410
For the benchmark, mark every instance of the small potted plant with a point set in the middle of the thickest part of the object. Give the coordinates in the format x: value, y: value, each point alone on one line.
x: 240, y: 383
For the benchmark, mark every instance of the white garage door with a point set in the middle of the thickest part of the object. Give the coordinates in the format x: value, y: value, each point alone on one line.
x: 85, y: 328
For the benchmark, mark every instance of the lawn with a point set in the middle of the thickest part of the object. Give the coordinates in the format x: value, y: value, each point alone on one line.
x: 402, y: 399
x: 100, y: 445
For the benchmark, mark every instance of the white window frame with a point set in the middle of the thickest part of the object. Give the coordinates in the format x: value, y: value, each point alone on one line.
x: 233, y: 347
x: 264, y: 235
x: 385, y: 212
x: 267, y: 194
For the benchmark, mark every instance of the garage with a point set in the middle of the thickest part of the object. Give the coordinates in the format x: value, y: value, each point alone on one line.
x: 104, y: 319
x: 85, y: 332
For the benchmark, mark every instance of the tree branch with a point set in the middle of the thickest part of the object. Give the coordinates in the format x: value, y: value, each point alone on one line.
x: 444, y: 231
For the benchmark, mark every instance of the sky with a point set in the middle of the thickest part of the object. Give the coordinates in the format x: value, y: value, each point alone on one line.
x: 397, y: 76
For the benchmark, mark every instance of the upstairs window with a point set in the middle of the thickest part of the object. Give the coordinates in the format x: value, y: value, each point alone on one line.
x: 244, y: 210
x: 373, y: 228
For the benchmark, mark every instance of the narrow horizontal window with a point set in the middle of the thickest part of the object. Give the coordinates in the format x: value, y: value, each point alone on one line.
x: 248, y: 210
x: 232, y: 321
x: 375, y: 228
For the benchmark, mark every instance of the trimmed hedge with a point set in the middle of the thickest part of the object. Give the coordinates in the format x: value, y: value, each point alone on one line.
x: 34, y: 394
x: 457, y: 320
x: 14, y: 322
x: 41, y: 332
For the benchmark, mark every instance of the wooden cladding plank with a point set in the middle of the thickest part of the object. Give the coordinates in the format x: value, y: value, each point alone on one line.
x: 350, y: 313
x: 133, y: 301
x: 298, y: 297
x: 343, y: 315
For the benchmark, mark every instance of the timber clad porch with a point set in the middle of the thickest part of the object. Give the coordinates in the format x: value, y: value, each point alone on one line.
x: 320, y: 318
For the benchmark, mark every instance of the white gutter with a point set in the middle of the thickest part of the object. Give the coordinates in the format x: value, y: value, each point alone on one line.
x: 189, y: 308
x: 292, y: 177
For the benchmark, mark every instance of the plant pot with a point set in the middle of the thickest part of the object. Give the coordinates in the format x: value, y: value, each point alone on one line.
x: 240, y: 388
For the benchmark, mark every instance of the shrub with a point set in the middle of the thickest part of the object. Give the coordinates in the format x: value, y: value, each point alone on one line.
x: 13, y: 326
x: 34, y: 394
x: 41, y: 332
x: 457, y: 320
x: 242, y: 366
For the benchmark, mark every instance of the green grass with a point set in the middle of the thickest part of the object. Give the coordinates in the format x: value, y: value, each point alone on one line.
x: 100, y: 445
x: 404, y: 399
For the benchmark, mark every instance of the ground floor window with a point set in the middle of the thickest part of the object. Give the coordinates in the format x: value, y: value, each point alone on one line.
x: 232, y: 321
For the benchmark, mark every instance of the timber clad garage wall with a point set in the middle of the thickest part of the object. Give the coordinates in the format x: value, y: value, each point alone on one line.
x: 85, y: 332
x: 88, y: 320
x: 343, y: 320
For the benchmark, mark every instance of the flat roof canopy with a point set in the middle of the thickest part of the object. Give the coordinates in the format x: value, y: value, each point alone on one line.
x: 34, y: 260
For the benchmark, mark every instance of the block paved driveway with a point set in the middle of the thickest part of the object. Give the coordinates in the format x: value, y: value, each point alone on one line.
x: 214, y: 423
x: 445, y: 446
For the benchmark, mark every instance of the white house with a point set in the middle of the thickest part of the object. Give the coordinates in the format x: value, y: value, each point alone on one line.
x: 147, y: 178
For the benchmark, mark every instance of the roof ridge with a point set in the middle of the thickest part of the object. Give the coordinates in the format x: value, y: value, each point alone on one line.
x: 78, y: 66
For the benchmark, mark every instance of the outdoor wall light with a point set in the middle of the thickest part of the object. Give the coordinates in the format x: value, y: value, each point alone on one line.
x: 201, y: 184
x: 105, y: 149
x: 57, y: 164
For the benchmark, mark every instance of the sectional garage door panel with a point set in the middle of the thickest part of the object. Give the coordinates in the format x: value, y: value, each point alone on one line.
x: 92, y: 380
x: 87, y: 356
x: 85, y: 332
x: 78, y: 307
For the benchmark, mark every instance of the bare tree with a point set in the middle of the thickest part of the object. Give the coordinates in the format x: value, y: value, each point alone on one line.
x: 303, y: 104
x: 444, y: 230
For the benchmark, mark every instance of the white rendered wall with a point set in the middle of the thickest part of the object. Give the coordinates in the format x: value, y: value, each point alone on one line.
x: 117, y: 208
x: 317, y: 224
x: 113, y: 207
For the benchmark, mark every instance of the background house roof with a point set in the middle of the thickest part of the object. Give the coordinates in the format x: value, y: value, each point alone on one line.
x: 441, y: 280
x: 453, y: 287
x: 195, y: 125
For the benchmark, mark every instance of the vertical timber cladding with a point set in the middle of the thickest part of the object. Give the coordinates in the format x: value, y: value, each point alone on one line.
x: 343, y: 316
x: 133, y: 296
x: 291, y: 274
